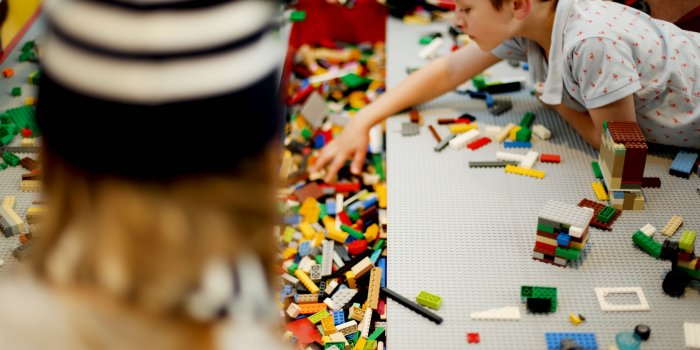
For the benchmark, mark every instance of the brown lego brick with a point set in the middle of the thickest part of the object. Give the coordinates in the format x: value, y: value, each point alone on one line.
x: 547, y: 234
x: 635, y: 161
x: 415, y: 117
x: 29, y: 164
x: 622, y: 132
x: 597, y: 207
x: 310, y: 190
x: 651, y: 182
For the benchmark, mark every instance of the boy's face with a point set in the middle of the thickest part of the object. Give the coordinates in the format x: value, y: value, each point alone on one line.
x: 485, y: 25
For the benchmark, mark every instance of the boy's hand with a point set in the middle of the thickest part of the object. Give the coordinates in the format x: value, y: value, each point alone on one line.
x: 352, y: 142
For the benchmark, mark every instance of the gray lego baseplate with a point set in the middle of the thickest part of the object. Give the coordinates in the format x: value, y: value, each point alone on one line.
x: 10, y: 178
x: 467, y: 234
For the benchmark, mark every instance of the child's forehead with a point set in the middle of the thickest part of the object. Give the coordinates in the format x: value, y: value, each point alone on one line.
x: 464, y: 3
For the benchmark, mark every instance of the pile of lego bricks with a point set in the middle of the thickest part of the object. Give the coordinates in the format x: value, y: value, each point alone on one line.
x: 562, y: 233
x: 333, y: 240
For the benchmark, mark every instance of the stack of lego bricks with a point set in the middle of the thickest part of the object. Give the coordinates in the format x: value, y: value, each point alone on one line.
x: 622, y: 158
x: 562, y: 233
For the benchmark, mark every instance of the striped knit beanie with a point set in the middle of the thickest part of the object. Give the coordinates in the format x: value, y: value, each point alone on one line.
x: 159, y: 89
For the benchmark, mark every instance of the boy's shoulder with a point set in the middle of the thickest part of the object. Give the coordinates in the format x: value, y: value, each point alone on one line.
x: 602, y: 20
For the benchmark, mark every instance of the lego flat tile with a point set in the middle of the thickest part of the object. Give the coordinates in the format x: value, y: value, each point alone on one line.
x: 467, y: 234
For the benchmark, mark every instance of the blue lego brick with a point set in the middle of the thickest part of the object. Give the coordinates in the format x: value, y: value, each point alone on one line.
x: 375, y: 255
x: 618, y: 194
x: 319, y: 141
x: 382, y: 264
x: 286, y: 291
x: 354, y: 207
x: 586, y: 340
x: 370, y: 201
x: 305, y: 248
x: 563, y: 239
x: 517, y: 144
x: 330, y: 207
x: 338, y: 317
x: 683, y: 164
x: 292, y: 220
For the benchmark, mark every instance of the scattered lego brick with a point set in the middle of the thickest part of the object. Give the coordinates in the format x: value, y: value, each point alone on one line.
x: 643, y: 331
x: 602, y: 293
x: 429, y: 300
x: 651, y: 182
x: 672, y: 226
x: 600, y: 191
x: 479, y: 143
x: 550, y: 158
x: 509, y: 313
x: 517, y: 144
x: 586, y: 341
x: 524, y: 172
x: 8, y: 72
x: 410, y: 129
x: 597, y: 208
x: 473, y: 338
x: 683, y: 164
x: 16, y: 91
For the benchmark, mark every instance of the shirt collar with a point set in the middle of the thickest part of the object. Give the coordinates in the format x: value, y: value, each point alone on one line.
x: 554, y: 85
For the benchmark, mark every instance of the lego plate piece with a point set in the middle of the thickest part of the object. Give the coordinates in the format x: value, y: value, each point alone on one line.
x: 602, y: 293
x: 508, y: 313
x: 692, y: 335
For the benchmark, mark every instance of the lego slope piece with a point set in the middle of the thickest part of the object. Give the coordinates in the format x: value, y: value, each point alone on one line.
x: 509, y: 313
x: 683, y: 164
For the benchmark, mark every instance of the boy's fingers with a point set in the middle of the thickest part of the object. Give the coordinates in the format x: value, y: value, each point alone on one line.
x: 357, y: 161
x: 323, y: 158
x: 335, y: 166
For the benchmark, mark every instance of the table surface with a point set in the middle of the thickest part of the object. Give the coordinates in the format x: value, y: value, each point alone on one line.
x: 467, y: 235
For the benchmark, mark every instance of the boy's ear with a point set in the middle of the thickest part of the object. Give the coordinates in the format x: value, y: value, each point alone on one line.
x: 521, y: 8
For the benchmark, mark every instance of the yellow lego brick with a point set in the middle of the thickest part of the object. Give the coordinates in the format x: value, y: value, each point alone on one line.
x: 505, y: 132
x: 525, y: 172
x: 360, y: 345
x: 356, y: 314
x: 337, y: 235
x: 462, y: 128
x: 599, y: 190
x: 514, y: 132
x: 327, y: 325
x: 310, y: 210
x: 306, y: 230
x: 371, y: 232
x: 375, y: 278
x: 350, y: 276
x: 30, y: 186
x: 30, y: 101
x: 673, y: 224
x: 574, y: 319
x: 380, y: 189
x: 289, y: 253
x: 690, y: 265
x: 34, y: 214
x: 328, y: 222
x: 308, y: 299
x: 9, y: 202
x: 326, y: 339
x: 28, y: 142
x: 306, y: 281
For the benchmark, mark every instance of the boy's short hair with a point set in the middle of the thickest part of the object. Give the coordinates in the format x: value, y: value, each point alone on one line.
x: 497, y: 4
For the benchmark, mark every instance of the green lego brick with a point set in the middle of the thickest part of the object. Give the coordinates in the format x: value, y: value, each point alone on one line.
x: 692, y: 273
x: 425, y: 40
x: 377, y: 332
x: 479, y: 82
x: 3, y: 166
x: 23, y: 118
x: 370, y: 345
x: 316, y: 318
x: 568, y: 253
x: 606, y: 214
x: 338, y: 345
x: 596, y: 170
x: 378, y: 165
x: 523, y: 135
x: 526, y: 122
x: 324, y: 212
x: 29, y: 45
x: 33, y: 77
x: 352, y: 232
x: 306, y: 133
x: 379, y: 245
x: 354, y: 215
x: 354, y: 81
x: 10, y: 159
x: 429, y: 300
x: 647, y: 244
x: 319, y: 259
x: 298, y: 16
x: 540, y: 293
x: 687, y: 241
x: 288, y: 234
x: 545, y: 228
x: 292, y: 268
x: 16, y: 91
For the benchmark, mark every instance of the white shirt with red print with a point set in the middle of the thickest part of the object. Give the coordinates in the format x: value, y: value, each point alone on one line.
x: 602, y: 52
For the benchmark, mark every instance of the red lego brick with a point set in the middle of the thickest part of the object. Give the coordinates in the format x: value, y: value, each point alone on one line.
x: 346, y: 186
x: 597, y: 207
x: 310, y: 190
x: 622, y: 132
x: 545, y: 248
x: 550, y: 158
x: 357, y: 247
x: 415, y: 116
x: 479, y: 143
x: 473, y: 338
x: 26, y: 132
x: 343, y: 216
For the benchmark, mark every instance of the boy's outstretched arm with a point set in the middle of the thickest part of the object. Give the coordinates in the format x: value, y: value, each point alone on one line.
x: 433, y: 80
x: 590, y: 125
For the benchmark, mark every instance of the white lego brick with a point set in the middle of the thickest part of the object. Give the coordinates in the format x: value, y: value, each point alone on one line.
x: 305, y: 264
x: 376, y: 139
x: 509, y: 157
x: 331, y: 305
x: 289, y: 279
x: 461, y: 140
x: 338, y: 337
x: 542, y: 132
x: 567, y: 214
x: 370, y: 179
x: 576, y: 232
x: 341, y: 297
x: 431, y: 49
x: 692, y: 335
x: 648, y: 230
x: 537, y: 255
x: 508, y: 313
x: 492, y: 130
x: 327, y: 258
x: 337, y: 259
x: 559, y: 261
x: 504, y: 132
x: 347, y: 327
x: 366, y: 322
x: 293, y: 310
x: 602, y: 293
x: 330, y: 286
x: 530, y: 159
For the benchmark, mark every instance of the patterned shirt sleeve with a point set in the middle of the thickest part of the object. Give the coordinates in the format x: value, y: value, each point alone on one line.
x: 601, y: 71
x: 512, y: 49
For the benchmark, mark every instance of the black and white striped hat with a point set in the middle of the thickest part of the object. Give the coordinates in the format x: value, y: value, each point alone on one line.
x: 159, y: 88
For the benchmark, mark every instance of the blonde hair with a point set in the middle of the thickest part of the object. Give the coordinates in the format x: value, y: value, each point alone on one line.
x: 143, y: 246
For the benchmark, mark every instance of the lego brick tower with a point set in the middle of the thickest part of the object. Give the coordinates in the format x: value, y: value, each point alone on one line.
x: 622, y: 158
x: 562, y: 232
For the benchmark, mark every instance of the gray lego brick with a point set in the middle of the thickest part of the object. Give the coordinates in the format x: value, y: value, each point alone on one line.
x: 466, y: 234
x: 10, y: 178
x: 566, y: 213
